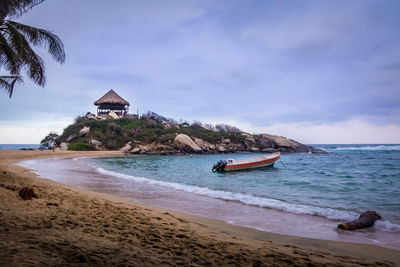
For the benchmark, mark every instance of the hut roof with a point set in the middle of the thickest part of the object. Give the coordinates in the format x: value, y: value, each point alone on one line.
x: 111, y: 97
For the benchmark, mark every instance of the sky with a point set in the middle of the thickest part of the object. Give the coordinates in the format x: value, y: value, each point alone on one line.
x: 319, y: 72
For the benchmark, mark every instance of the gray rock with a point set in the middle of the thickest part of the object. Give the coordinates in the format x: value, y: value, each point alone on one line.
x: 91, y: 116
x: 269, y: 150
x: 126, y: 148
x: 112, y: 115
x: 221, y: 149
x: 202, y: 144
x: 84, y: 130
x: 95, y: 142
x: 166, y: 125
x: 144, y: 149
x: 317, y: 150
x: 135, y: 150
x: 184, y: 142
x: 72, y: 136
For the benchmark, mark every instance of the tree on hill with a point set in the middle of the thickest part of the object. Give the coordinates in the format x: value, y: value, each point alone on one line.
x: 16, y: 39
x: 50, y: 138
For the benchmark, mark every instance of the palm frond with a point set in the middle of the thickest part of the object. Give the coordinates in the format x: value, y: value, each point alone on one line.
x: 5, y: 7
x: 8, y: 58
x: 33, y: 62
x: 15, y: 8
x: 40, y: 37
x: 8, y: 83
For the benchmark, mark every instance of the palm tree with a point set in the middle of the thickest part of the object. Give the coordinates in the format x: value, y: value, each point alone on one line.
x: 16, y: 39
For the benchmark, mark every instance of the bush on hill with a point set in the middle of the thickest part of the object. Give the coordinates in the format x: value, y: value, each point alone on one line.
x: 80, y: 146
x: 115, y: 133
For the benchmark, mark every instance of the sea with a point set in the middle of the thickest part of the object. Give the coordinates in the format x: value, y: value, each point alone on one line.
x: 18, y: 146
x: 305, y: 194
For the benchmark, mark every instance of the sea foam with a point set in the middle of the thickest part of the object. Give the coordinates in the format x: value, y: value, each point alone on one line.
x: 247, y: 199
x: 371, y: 148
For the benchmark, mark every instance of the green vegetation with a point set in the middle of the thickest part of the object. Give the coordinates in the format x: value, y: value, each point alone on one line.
x: 149, y: 128
x: 50, y: 138
x: 80, y: 146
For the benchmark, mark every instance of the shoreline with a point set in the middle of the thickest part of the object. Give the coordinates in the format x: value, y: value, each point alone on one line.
x: 227, y: 239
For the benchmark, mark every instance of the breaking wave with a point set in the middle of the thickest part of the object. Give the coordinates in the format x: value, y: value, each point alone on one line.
x: 247, y: 199
x: 371, y: 148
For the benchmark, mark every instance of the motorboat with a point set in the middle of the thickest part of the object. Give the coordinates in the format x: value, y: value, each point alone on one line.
x: 245, y: 164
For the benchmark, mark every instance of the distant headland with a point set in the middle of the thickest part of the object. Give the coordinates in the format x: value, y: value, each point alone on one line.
x: 114, y: 129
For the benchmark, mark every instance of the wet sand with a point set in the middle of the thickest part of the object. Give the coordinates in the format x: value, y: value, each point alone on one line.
x: 67, y: 225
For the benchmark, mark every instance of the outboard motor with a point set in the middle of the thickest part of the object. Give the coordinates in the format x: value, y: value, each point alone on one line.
x: 220, y: 166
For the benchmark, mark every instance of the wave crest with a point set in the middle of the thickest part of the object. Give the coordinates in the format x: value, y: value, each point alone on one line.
x: 371, y: 148
x: 247, y: 199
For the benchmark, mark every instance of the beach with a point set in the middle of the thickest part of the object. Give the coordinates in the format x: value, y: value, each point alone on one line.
x: 68, y: 225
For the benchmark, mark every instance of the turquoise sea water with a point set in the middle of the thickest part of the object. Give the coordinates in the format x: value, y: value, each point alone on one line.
x: 18, y: 146
x: 339, y: 185
x: 303, y: 194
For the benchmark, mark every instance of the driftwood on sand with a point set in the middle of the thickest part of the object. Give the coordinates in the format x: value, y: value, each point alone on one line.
x: 366, y: 219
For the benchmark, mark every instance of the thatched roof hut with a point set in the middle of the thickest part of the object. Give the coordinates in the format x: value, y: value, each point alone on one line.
x: 111, y: 101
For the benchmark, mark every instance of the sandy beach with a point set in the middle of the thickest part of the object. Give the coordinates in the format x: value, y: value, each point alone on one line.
x: 67, y: 225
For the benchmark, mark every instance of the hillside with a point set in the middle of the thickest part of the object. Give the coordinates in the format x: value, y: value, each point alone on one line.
x: 154, y: 134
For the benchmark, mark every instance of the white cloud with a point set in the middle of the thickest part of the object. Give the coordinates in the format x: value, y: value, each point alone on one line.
x: 354, y: 131
x: 29, y: 132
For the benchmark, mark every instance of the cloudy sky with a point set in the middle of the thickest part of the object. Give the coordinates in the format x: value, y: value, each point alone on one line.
x: 315, y: 71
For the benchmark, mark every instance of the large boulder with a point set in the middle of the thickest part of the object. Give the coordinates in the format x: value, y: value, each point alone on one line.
x: 263, y: 141
x: 281, y: 143
x: 317, y: 150
x: 144, y: 149
x: 136, y: 150
x: 202, y: 144
x: 254, y: 149
x: 112, y: 115
x: 126, y: 147
x: 84, y: 130
x: 166, y: 125
x: 95, y: 142
x: 185, y: 143
x: 91, y: 116
x: 72, y: 136
x: 221, y: 149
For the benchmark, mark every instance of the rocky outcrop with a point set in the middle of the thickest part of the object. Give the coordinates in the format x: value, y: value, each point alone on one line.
x: 136, y: 150
x: 185, y: 143
x: 126, y: 148
x: 268, y: 142
x: 112, y: 115
x: 84, y: 130
x: 95, y: 142
x: 167, y: 137
x: 94, y: 117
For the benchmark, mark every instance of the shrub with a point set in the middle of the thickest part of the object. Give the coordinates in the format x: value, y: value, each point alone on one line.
x: 80, y: 146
